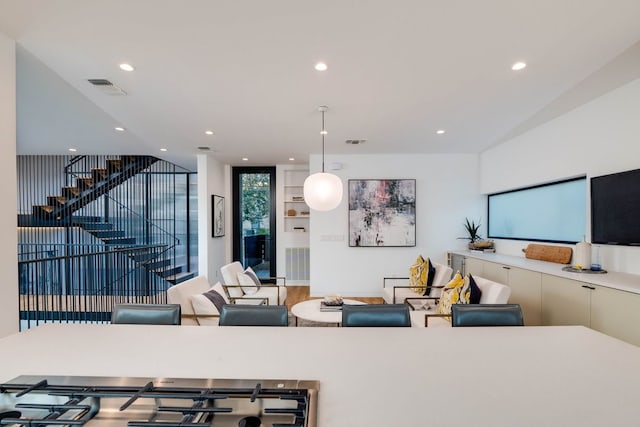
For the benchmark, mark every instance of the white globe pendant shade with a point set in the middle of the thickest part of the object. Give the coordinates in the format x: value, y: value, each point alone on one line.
x: 322, y: 191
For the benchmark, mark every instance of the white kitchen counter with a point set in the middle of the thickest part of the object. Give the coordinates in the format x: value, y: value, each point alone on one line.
x: 615, y: 280
x: 534, y: 376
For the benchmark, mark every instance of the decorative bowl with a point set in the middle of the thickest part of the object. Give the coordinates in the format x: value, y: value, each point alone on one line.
x: 334, y: 299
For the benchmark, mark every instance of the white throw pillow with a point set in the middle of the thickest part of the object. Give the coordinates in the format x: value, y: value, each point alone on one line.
x: 248, y: 285
x: 220, y: 289
x: 249, y: 272
x: 204, y: 306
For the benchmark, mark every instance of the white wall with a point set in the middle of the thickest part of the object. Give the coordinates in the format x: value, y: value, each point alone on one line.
x: 8, y: 190
x: 212, y: 252
x: 447, y: 191
x: 600, y: 137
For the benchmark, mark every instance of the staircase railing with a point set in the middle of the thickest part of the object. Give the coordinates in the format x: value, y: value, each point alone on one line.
x: 168, y: 234
x: 83, y: 287
x: 131, y: 227
x: 68, y: 173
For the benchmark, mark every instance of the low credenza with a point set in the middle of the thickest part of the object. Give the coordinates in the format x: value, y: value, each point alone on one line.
x: 549, y: 296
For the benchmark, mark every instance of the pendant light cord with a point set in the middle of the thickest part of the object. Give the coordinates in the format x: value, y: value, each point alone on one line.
x: 323, y: 133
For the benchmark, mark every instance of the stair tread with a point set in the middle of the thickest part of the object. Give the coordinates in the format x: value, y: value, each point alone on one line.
x: 120, y: 244
x: 105, y: 234
x: 46, y: 208
x: 94, y: 226
x: 85, y: 182
x: 168, y: 271
x: 58, y: 199
x: 180, y: 277
x: 157, y: 264
x: 167, y: 267
x: 75, y: 191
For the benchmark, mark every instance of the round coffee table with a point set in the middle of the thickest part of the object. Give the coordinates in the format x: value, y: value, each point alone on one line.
x: 310, y: 310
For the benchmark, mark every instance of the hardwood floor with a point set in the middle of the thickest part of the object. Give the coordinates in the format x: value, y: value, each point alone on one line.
x: 296, y: 294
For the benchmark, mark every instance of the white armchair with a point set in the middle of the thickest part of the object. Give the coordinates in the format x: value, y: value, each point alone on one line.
x: 185, y: 294
x: 275, y: 294
x: 492, y: 293
x: 396, y: 289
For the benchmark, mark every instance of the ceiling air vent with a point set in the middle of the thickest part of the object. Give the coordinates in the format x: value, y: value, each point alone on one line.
x: 107, y: 87
x: 355, y: 141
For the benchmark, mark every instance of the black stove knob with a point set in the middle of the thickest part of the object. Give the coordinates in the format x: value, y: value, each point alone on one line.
x: 250, y: 422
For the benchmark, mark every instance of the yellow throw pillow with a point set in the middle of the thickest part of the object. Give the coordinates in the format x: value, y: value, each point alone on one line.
x: 418, y: 275
x: 453, y: 293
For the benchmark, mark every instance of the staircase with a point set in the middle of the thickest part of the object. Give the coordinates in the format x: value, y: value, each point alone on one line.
x: 154, y: 258
x: 59, y: 211
x: 89, y: 188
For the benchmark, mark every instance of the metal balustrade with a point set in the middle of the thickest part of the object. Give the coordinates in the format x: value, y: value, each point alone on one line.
x: 98, y: 230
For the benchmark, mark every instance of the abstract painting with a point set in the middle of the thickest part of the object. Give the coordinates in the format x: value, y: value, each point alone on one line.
x: 217, y: 206
x: 382, y: 212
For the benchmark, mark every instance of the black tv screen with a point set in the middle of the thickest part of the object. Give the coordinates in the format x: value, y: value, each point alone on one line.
x: 615, y: 208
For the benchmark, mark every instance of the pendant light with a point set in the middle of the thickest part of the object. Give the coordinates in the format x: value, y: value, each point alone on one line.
x: 323, y: 191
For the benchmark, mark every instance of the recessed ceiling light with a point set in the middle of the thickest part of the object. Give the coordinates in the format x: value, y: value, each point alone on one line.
x: 291, y: 159
x: 518, y: 66
x: 321, y: 66
x: 119, y: 128
x: 163, y: 149
x: 245, y: 159
x: 73, y: 150
x: 208, y: 132
x: 126, y: 67
x: 440, y: 131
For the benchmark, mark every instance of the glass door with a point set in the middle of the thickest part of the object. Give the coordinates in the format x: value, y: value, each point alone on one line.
x: 254, y: 219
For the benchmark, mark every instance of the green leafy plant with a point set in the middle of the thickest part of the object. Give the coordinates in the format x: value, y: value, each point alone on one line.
x: 472, y: 230
x: 255, y: 198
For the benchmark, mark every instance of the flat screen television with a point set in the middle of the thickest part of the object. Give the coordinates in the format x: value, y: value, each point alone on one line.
x: 615, y: 208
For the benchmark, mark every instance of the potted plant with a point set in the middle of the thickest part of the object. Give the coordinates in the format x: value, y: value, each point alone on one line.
x: 475, y: 240
x: 472, y: 232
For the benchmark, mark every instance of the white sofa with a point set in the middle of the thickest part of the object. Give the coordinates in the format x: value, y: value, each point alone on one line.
x: 492, y: 293
x: 275, y: 294
x: 396, y: 289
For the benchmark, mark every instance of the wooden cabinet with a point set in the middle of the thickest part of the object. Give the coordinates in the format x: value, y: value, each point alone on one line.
x: 610, y: 311
x: 616, y: 313
x: 474, y: 266
x: 551, y: 300
x: 525, y: 288
x: 496, y: 272
x: 565, y: 301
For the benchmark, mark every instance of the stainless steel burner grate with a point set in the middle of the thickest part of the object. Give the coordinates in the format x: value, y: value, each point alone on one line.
x: 161, y: 402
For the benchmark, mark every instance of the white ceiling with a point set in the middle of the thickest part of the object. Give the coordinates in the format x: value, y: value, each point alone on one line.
x: 398, y: 71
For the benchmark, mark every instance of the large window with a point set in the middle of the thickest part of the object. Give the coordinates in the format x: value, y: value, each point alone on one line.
x: 554, y: 212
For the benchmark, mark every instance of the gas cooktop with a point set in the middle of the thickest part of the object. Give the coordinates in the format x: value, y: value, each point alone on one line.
x: 36, y: 401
